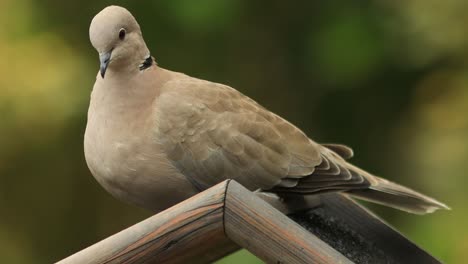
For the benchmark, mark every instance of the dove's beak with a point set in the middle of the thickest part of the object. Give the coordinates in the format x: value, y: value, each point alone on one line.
x: 104, y: 58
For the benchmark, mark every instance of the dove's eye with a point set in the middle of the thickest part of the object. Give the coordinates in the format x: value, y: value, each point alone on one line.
x: 122, y: 34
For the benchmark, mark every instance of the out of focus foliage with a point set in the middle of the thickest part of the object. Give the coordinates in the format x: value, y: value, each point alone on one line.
x: 389, y: 78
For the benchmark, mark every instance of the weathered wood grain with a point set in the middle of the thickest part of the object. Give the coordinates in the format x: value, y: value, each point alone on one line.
x: 269, y: 234
x: 227, y: 216
x: 190, y: 232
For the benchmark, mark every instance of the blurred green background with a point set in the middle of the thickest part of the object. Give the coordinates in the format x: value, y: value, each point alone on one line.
x: 388, y: 78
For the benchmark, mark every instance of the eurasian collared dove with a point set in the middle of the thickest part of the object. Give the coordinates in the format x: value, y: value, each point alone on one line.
x: 156, y: 137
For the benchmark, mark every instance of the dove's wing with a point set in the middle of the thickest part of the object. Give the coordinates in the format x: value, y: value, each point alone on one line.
x: 212, y: 132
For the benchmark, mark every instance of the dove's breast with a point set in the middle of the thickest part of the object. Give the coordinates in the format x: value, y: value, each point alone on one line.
x: 125, y: 159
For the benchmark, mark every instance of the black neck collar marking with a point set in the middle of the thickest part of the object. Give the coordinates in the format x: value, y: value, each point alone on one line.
x: 147, y: 63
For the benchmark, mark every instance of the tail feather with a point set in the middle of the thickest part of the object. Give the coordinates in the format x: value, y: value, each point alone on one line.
x: 394, y: 195
x: 334, y: 174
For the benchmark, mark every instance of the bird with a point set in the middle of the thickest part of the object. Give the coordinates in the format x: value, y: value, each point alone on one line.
x: 155, y: 137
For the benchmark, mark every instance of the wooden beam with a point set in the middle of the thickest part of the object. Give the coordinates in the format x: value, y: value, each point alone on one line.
x: 190, y: 232
x: 227, y: 216
x: 271, y: 235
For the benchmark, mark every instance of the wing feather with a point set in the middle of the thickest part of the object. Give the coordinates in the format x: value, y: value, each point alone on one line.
x: 212, y: 132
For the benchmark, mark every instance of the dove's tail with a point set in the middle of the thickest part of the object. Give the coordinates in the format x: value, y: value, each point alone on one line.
x: 334, y: 174
x: 394, y: 195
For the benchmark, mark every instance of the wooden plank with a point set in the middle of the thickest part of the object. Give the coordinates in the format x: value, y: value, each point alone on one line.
x: 269, y: 234
x: 190, y: 232
x: 214, y: 223
x: 359, y: 234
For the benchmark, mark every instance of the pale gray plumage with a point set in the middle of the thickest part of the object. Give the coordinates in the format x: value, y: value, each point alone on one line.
x: 156, y: 137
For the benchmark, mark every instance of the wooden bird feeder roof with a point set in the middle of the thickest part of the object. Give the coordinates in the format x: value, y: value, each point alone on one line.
x: 227, y: 217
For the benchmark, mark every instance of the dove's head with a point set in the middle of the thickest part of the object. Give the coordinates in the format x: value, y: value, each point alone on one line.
x: 116, y: 36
